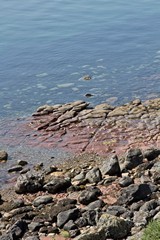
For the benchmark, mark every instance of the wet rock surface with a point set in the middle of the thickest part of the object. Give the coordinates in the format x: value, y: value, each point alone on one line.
x: 77, y: 127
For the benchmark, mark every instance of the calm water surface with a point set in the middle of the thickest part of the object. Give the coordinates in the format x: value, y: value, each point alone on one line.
x: 46, y: 47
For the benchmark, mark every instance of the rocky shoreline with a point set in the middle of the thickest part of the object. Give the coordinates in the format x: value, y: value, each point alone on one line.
x: 112, y: 198
x: 108, y: 190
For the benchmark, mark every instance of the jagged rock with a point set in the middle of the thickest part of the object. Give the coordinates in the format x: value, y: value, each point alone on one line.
x: 116, y: 210
x: 133, y: 158
x: 150, y: 205
x: 141, y: 218
x: 61, y: 206
x: 15, y: 231
x: 94, y: 175
x: 29, y: 182
x: 114, y: 227
x: 34, y: 226
x: 87, y: 197
x: 125, y: 181
x: 134, y: 193
x: 3, y: 155
x: 91, y: 216
x: 111, y: 167
x: 81, y: 222
x: 57, y: 185
x: 151, y: 153
x: 64, y: 217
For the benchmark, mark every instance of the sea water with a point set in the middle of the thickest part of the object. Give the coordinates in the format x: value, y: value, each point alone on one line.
x: 46, y: 47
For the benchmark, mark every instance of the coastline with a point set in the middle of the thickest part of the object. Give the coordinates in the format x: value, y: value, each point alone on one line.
x: 86, y: 137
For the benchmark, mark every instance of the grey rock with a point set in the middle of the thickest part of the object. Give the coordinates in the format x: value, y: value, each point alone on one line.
x: 59, y: 207
x: 80, y: 176
x: 64, y: 217
x: 7, y: 236
x: 87, y: 197
x: 70, y: 225
x: 91, y: 216
x: 136, y: 205
x: 97, y: 233
x: 29, y: 183
x: 42, y: 200
x: 20, y: 210
x: 133, y: 158
x: 157, y: 216
x: 141, y: 218
x: 16, y: 231
x: 114, y: 227
x: 94, y: 175
x: 94, y: 189
x: 148, y: 206
x: 98, y: 204
x: 81, y: 222
x: 32, y: 238
x: 151, y: 154
x: 74, y: 232
x: 57, y: 185
x: 134, y: 193
x: 116, y: 210
x: 34, y: 226
x: 111, y: 167
x: 125, y: 181
x: 3, y: 155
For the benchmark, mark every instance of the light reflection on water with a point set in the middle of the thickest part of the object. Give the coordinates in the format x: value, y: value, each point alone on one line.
x: 47, y: 47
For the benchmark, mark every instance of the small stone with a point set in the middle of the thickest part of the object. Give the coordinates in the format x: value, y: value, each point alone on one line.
x: 91, y: 216
x: 133, y: 158
x: 64, y: 217
x: 42, y: 200
x: 98, y: 204
x: 34, y: 226
x: 116, y: 210
x: 125, y: 181
x: 111, y: 167
x: 94, y: 175
x: 22, y: 162
x: 87, y: 197
x: 141, y: 218
x: 70, y: 225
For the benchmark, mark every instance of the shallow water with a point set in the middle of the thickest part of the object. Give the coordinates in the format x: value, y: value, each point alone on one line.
x: 46, y: 47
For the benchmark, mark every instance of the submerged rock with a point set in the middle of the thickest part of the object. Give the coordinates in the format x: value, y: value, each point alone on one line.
x: 3, y: 155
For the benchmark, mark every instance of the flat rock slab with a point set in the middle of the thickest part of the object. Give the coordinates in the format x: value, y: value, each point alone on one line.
x: 76, y: 128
